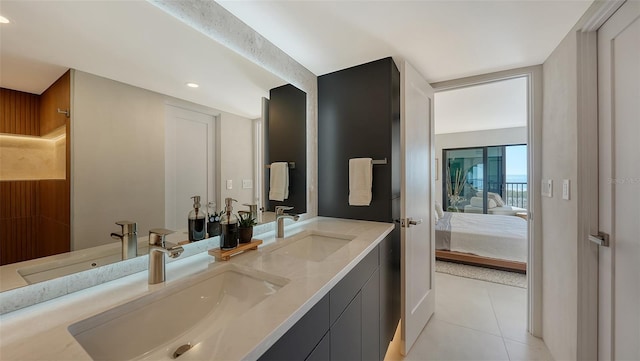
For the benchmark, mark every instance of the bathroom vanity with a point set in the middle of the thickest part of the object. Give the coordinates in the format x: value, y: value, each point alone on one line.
x: 318, y: 293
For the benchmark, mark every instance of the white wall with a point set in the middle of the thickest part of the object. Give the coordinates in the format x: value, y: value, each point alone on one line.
x: 118, y: 157
x: 472, y: 139
x: 559, y: 217
x: 235, y: 159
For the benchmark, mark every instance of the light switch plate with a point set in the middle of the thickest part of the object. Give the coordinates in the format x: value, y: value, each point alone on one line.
x: 565, y: 189
x: 247, y: 184
x: 547, y: 188
x: 229, y: 184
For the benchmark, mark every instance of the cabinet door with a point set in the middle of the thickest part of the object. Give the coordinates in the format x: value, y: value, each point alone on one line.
x: 322, y: 352
x: 352, y: 283
x: 371, y: 318
x: 301, y: 339
x: 346, y: 333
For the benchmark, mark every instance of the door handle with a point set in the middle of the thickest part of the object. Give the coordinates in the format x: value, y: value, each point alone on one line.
x: 601, y: 239
x: 410, y: 222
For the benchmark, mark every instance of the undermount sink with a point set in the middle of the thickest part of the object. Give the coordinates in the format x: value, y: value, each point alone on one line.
x: 313, y: 246
x: 156, y: 325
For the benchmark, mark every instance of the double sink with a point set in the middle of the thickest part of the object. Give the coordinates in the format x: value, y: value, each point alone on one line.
x: 167, y: 323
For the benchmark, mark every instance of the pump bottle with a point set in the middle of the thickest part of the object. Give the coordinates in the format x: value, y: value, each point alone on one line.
x: 197, y: 221
x: 229, y: 224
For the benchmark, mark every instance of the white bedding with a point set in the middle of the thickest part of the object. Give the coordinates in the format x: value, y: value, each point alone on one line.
x: 495, y: 236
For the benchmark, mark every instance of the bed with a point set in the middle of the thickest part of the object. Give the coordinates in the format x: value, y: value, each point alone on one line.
x: 496, y: 241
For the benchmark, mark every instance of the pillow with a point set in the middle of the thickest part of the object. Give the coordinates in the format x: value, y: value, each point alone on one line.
x: 439, y: 211
x: 496, y: 197
x: 478, y: 202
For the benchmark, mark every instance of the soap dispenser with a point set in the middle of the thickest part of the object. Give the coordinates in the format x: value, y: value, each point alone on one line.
x: 197, y: 221
x: 229, y: 224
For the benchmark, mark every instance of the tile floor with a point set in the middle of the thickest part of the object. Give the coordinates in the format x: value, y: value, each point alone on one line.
x: 475, y: 320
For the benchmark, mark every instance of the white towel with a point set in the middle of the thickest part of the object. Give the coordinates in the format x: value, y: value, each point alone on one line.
x: 279, y: 181
x: 360, y: 179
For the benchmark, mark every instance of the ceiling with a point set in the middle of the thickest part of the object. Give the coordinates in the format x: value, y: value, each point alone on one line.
x: 494, y: 105
x: 442, y: 39
x: 133, y: 42
x: 136, y: 43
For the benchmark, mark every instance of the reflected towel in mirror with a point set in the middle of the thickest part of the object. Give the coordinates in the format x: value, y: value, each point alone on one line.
x: 279, y: 181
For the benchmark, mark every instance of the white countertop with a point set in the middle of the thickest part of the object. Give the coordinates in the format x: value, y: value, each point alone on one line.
x: 40, y: 332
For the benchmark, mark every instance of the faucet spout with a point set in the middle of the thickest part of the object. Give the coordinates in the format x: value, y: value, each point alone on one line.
x: 157, y: 249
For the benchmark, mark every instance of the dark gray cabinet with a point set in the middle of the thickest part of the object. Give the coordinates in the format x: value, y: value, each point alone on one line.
x: 346, y: 324
x: 359, y: 116
x: 303, y: 337
x: 346, y: 333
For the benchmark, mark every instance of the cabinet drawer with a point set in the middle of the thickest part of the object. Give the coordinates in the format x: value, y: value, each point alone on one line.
x: 350, y: 285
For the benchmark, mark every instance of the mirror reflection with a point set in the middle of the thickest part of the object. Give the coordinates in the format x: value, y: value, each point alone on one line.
x: 126, y: 138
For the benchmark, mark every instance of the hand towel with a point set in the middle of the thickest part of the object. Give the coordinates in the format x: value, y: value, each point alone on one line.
x: 279, y: 181
x: 360, y: 180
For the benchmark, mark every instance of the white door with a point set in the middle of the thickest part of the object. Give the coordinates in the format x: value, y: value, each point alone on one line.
x: 417, y: 190
x: 189, y: 163
x: 619, y: 184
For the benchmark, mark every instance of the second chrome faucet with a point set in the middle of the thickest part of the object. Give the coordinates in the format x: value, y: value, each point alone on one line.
x: 158, y: 247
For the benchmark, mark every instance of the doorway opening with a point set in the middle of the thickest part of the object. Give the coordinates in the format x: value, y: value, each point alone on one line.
x: 485, y: 146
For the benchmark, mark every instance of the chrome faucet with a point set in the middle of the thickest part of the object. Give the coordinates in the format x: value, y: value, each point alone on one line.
x: 129, y: 238
x: 281, y: 216
x: 157, y: 249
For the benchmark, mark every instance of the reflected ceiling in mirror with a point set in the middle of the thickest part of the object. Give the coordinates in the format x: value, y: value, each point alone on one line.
x: 132, y: 42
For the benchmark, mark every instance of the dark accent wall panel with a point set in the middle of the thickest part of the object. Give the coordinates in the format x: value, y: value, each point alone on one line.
x: 287, y: 142
x: 359, y: 117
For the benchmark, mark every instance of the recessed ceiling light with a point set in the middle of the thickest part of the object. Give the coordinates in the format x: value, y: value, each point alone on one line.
x: 192, y: 85
x: 4, y: 20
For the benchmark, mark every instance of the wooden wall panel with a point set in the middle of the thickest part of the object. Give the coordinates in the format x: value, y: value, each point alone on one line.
x: 35, y: 215
x: 55, y: 199
x: 19, y: 217
x: 58, y: 95
x: 19, y: 112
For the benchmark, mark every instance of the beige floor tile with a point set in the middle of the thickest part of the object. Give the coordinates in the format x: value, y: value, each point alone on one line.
x: 532, y: 351
x: 475, y: 320
x: 465, y: 304
x: 444, y: 341
x: 510, y: 307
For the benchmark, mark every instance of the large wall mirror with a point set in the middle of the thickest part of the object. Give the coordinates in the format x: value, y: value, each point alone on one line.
x: 140, y: 138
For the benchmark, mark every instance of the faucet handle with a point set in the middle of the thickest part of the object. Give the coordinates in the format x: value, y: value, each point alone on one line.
x: 128, y: 226
x: 156, y: 235
x: 280, y: 209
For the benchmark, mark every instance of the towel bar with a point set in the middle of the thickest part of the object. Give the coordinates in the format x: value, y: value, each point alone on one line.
x: 379, y: 161
x: 292, y: 165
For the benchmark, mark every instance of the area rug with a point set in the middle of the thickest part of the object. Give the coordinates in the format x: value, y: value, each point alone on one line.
x: 484, y: 274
